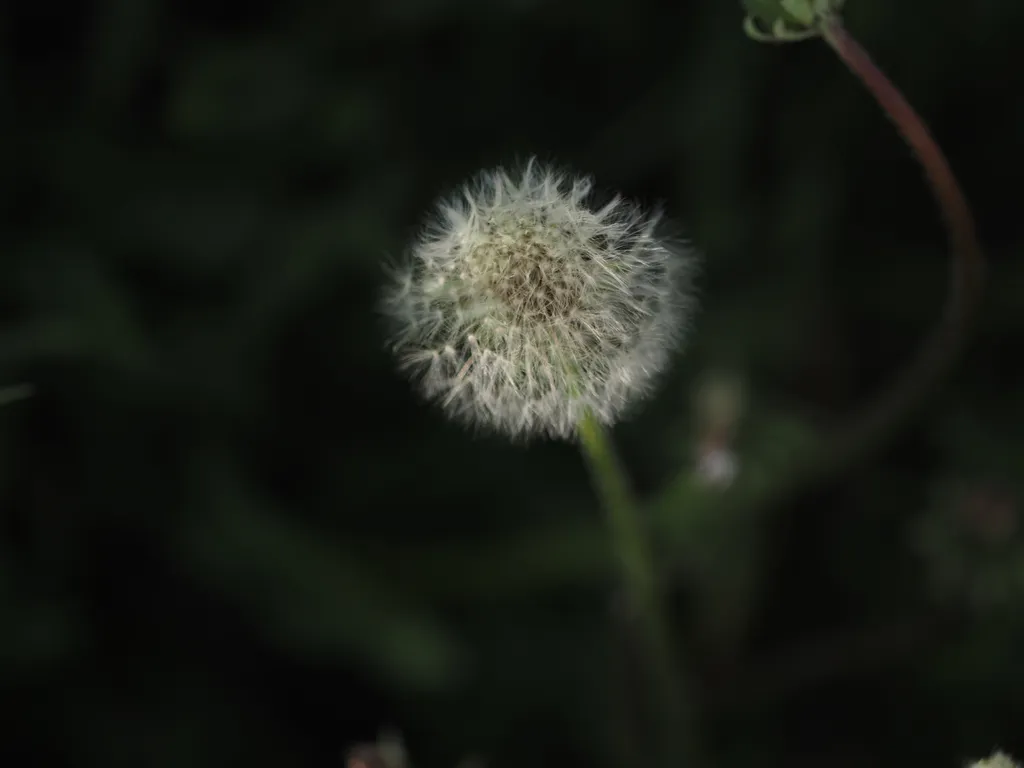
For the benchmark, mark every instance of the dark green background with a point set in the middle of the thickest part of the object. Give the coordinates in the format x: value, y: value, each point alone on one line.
x: 230, y: 534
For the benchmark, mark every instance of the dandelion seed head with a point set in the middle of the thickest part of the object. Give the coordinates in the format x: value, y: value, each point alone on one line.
x: 523, y: 306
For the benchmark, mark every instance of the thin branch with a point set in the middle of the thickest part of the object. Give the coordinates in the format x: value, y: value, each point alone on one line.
x: 936, y: 356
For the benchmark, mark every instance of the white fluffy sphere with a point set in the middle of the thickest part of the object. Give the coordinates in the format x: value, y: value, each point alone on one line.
x: 522, y: 308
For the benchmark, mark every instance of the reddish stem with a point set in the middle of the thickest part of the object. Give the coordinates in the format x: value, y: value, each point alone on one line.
x: 967, y: 262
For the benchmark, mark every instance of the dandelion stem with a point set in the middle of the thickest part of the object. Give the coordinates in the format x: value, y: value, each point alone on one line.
x: 632, y: 550
x: 967, y: 263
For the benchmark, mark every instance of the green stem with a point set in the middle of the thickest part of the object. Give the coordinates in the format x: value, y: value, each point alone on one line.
x: 636, y: 562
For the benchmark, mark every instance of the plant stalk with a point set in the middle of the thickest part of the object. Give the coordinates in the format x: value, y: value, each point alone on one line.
x: 632, y: 550
x: 967, y: 263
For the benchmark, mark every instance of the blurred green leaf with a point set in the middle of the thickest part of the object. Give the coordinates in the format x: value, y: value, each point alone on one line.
x: 244, y: 89
x: 15, y: 393
x: 309, y: 594
x: 37, y: 632
x: 123, y: 42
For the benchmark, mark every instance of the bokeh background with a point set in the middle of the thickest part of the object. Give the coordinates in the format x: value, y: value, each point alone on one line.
x: 230, y: 533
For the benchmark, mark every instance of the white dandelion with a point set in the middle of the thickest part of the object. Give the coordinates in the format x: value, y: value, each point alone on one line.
x: 523, y: 308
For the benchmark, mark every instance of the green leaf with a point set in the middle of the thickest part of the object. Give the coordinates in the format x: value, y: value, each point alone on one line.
x: 308, y: 593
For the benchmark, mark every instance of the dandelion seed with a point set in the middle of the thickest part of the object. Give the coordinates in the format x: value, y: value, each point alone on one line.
x: 522, y: 307
x: 998, y: 760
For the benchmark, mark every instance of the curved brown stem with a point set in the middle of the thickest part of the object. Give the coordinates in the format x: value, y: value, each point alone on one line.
x: 940, y: 350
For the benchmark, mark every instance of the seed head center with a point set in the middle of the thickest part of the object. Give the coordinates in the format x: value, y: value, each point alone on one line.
x: 530, y: 265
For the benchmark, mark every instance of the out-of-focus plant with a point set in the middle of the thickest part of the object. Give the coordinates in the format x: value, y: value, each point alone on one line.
x: 970, y: 543
x: 15, y: 393
x: 389, y: 751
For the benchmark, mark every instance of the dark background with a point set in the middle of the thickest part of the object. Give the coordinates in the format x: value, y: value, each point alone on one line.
x: 230, y: 534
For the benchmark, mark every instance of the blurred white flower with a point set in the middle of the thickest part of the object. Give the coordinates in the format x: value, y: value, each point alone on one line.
x: 522, y: 307
x: 718, y: 466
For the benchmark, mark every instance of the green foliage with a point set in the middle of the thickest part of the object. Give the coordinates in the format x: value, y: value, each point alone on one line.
x: 230, y: 535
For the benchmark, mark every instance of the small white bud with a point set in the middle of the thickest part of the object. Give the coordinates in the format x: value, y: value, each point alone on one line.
x: 522, y: 308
